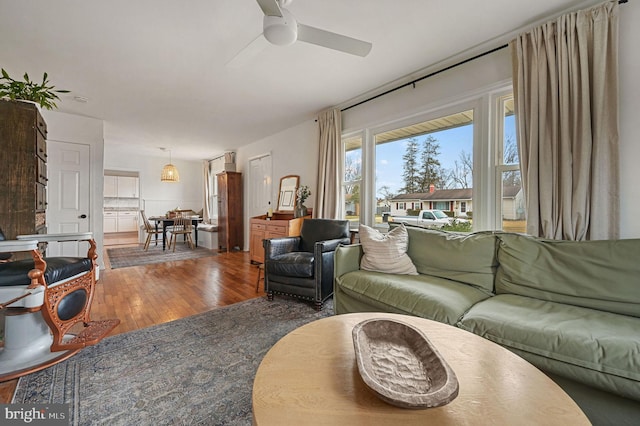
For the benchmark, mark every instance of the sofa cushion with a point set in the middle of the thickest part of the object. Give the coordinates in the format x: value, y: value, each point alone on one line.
x: 385, y: 252
x: 467, y: 258
x: 594, y: 274
x: 419, y: 295
x: 603, y: 347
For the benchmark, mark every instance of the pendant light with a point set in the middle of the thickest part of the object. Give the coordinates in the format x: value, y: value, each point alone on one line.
x: 169, y: 171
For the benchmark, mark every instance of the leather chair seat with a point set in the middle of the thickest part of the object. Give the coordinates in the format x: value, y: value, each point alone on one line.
x: 58, y: 269
x: 295, y: 264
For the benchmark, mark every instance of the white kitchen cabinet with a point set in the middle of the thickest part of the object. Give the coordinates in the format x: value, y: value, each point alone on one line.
x: 110, y: 223
x: 121, y: 186
x: 111, y: 186
x: 127, y: 221
x: 128, y: 187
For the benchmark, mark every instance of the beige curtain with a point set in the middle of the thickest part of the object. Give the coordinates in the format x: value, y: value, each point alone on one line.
x: 566, y: 92
x: 327, y: 204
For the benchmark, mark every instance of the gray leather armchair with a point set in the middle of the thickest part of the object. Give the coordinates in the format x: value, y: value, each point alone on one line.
x: 302, y: 266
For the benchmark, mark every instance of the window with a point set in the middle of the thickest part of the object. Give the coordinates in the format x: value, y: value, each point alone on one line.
x: 441, y: 205
x: 352, y: 179
x: 215, y: 166
x: 457, y: 158
x: 425, y: 158
x: 511, y: 207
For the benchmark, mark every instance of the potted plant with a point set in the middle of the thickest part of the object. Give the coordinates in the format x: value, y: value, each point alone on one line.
x: 302, y: 194
x: 28, y: 90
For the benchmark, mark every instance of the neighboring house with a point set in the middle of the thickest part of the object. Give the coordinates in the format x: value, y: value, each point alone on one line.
x: 457, y: 201
x: 512, y: 203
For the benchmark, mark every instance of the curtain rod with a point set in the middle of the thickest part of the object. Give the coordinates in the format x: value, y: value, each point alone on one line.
x: 413, y: 82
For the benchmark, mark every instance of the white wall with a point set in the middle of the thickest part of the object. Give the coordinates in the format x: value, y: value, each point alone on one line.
x: 293, y: 152
x: 156, y: 197
x: 71, y: 128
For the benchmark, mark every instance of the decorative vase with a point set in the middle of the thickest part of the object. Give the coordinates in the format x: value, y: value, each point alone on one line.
x: 300, y: 211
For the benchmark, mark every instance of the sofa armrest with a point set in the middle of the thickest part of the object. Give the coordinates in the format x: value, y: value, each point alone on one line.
x: 276, y: 246
x: 347, y: 259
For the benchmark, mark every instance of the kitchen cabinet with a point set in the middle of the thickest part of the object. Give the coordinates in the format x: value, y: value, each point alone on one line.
x: 281, y: 225
x: 110, y: 186
x: 120, y: 221
x: 127, y: 221
x: 23, y: 160
x: 128, y: 187
x: 230, y: 224
x: 110, y: 222
x: 121, y: 186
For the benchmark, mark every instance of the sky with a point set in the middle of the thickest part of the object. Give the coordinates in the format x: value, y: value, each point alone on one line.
x: 389, y: 164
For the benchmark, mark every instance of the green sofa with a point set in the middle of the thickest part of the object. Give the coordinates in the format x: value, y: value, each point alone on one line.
x: 570, y: 308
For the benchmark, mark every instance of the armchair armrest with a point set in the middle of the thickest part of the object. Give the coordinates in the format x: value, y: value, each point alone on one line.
x: 276, y: 246
x: 330, y: 245
x: 70, y: 236
x: 347, y: 259
x: 18, y: 245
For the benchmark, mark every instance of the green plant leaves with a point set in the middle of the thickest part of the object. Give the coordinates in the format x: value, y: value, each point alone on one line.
x: 28, y: 90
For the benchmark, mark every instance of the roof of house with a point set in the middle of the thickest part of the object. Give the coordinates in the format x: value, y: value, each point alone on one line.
x: 451, y: 194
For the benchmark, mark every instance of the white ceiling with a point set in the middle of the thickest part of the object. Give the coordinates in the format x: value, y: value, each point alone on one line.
x: 155, y: 70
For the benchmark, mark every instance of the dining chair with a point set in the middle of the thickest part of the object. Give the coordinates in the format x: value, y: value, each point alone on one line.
x: 181, y: 226
x: 149, y: 229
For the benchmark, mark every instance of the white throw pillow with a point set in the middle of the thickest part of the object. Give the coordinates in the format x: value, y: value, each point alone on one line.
x: 386, y: 252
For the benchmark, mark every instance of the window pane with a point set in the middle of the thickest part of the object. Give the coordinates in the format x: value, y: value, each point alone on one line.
x: 510, y: 147
x: 427, y: 165
x: 513, y: 213
x: 352, y: 179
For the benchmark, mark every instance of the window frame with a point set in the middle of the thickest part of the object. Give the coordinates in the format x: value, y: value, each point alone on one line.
x: 488, y: 130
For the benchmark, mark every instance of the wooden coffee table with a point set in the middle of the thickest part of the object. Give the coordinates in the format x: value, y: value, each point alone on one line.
x: 311, y: 377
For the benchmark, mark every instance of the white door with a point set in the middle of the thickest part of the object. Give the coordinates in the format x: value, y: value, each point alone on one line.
x: 260, y: 188
x: 68, y: 193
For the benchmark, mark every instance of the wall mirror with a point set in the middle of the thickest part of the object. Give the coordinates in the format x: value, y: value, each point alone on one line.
x: 287, y: 195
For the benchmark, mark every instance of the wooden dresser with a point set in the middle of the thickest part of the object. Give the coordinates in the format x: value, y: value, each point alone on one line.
x: 281, y: 225
x: 230, y: 212
x: 23, y: 161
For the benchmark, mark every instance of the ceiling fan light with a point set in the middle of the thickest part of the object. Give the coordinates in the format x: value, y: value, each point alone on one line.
x: 280, y: 30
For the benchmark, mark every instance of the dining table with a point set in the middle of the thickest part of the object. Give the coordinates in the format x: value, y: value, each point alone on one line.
x: 166, y: 221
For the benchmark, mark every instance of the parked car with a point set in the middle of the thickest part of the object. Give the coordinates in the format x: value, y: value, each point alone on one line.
x: 427, y: 218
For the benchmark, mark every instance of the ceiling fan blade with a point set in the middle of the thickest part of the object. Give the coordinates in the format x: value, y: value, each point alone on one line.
x: 270, y: 7
x: 333, y: 41
x: 250, y: 51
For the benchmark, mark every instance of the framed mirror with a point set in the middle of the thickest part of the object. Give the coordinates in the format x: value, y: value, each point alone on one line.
x: 287, y: 195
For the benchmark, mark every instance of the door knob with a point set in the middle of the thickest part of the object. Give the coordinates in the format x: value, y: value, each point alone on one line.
x: 82, y: 216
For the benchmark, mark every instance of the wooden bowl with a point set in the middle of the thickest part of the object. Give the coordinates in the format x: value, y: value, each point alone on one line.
x: 399, y: 363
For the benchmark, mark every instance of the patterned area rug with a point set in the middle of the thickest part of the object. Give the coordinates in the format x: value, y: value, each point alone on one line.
x: 197, y: 370
x: 135, y: 256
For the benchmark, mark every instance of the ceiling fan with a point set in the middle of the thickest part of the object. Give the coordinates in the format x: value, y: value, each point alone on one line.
x: 279, y: 27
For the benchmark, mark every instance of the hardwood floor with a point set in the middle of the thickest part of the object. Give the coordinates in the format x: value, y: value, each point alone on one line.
x: 142, y: 296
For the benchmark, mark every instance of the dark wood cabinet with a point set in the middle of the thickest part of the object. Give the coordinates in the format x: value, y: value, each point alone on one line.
x: 230, y: 211
x: 23, y: 161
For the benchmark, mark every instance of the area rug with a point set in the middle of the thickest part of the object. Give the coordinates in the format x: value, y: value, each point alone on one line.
x: 135, y: 256
x: 196, y: 371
